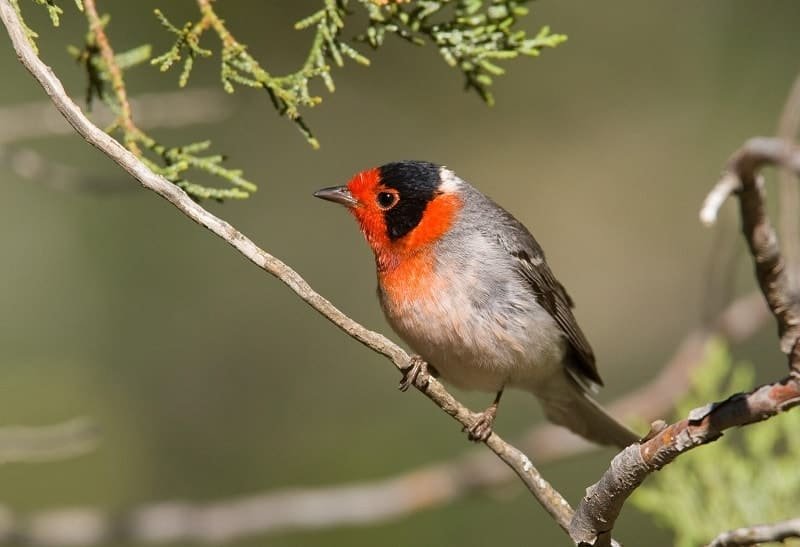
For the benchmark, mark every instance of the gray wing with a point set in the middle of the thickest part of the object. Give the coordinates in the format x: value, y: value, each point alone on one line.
x: 549, y: 293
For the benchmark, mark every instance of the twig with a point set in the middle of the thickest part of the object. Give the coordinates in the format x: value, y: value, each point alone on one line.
x: 47, y: 443
x: 210, y: 18
x: 765, y: 533
x: 117, y: 82
x: 595, y: 516
x: 547, y: 496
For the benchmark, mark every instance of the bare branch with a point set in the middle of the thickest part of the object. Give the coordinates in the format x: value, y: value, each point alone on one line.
x: 547, y: 496
x: 47, y: 443
x: 765, y: 533
x: 741, y: 177
x: 595, y: 517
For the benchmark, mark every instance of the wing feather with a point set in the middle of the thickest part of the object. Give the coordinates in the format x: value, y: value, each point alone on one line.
x: 551, y: 295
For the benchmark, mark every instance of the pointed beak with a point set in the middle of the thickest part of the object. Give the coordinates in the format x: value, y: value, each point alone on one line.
x: 337, y: 194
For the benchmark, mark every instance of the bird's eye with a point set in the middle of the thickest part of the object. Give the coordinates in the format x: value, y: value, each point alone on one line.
x: 387, y: 200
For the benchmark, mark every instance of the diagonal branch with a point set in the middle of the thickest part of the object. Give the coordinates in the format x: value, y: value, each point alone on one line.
x: 367, y: 502
x: 595, y: 516
x: 764, y: 533
x: 547, y: 496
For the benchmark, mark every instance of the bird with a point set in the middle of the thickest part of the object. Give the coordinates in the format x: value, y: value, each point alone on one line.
x: 467, y: 287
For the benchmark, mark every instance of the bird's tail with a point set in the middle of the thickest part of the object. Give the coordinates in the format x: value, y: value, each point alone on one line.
x: 567, y: 403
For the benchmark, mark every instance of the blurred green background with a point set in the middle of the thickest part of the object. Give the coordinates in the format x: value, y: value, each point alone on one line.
x: 209, y: 379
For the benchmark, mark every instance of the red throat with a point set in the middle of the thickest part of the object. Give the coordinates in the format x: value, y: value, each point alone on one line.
x: 390, y: 253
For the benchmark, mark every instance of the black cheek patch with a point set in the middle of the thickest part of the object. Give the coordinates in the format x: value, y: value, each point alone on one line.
x: 417, y: 183
x: 404, y: 217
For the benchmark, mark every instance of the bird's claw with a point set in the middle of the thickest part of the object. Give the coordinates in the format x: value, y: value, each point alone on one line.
x: 481, y: 427
x: 416, y: 367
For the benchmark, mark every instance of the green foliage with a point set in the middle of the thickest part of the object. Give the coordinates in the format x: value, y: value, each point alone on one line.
x: 97, y: 75
x: 747, y: 477
x: 473, y: 36
x: 289, y: 92
x: 176, y: 161
x: 53, y: 10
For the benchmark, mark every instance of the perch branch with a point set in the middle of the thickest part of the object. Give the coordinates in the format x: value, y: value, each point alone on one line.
x: 595, y: 516
x: 368, y: 502
x: 547, y: 496
x: 765, y: 533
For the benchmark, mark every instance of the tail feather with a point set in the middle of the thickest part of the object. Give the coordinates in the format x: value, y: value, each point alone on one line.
x: 568, y: 404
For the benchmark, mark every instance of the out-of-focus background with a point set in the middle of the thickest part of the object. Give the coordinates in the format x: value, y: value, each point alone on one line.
x: 210, y: 380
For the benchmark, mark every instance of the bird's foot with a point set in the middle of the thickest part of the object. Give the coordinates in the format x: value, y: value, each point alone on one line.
x: 417, y: 367
x: 481, y: 428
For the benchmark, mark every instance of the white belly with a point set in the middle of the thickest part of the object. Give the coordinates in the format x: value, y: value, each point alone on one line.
x: 476, y: 340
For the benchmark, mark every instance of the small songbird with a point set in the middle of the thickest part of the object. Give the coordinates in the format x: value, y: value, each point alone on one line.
x: 466, y: 285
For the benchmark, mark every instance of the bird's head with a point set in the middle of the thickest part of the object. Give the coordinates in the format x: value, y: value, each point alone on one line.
x: 402, y: 207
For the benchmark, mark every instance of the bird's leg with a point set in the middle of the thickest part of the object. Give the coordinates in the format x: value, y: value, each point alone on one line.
x: 417, y: 366
x: 481, y: 428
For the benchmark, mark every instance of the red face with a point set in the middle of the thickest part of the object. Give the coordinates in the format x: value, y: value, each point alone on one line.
x: 399, y: 207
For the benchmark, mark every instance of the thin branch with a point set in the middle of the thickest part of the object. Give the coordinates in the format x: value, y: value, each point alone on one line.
x: 47, y: 443
x: 765, y: 533
x: 547, y: 496
x: 742, y: 177
x: 369, y: 502
x: 595, y: 516
x: 125, y: 118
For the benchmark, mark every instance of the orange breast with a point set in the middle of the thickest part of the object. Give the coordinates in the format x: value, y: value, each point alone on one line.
x: 411, y: 279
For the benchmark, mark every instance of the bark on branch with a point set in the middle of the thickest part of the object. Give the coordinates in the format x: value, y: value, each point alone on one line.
x: 595, y: 516
x: 547, y: 496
